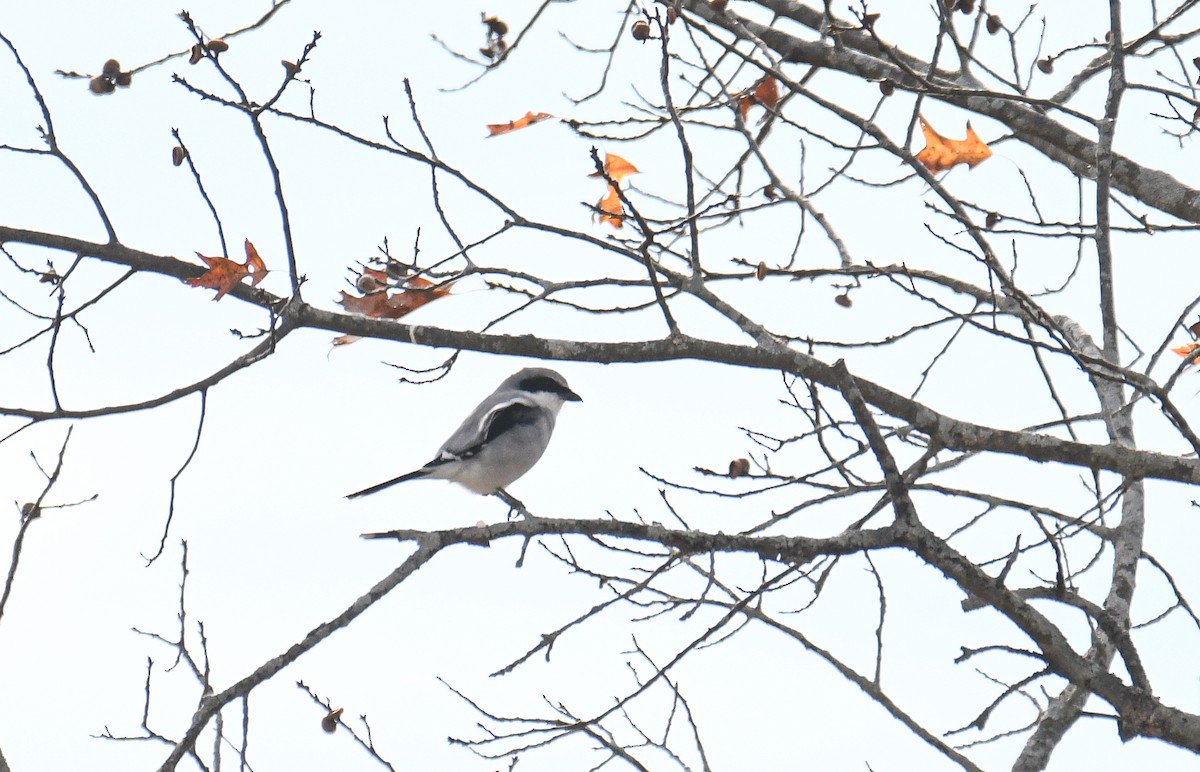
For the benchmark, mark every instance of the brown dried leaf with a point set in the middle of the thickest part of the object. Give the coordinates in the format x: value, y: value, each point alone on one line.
x: 941, y: 153
x: 528, y: 119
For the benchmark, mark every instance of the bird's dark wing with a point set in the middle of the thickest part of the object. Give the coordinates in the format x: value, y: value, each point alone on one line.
x: 497, y: 421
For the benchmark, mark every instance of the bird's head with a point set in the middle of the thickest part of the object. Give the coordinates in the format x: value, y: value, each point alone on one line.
x: 544, y: 385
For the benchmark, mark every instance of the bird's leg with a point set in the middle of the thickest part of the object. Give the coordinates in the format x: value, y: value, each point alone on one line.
x: 514, y: 505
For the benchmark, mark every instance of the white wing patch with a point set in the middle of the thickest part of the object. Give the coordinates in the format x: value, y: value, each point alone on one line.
x: 485, y: 423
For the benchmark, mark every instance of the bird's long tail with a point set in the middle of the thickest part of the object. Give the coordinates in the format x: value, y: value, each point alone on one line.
x: 388, y: 484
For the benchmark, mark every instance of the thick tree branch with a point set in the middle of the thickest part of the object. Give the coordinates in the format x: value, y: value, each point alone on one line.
x: 859, y: 55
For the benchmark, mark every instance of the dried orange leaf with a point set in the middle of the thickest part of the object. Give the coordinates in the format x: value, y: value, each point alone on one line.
x: 254, y: 264
x: 617, y: 167
x: 224, y: 274
x: 1186, y: 349
x: 528, y: 119
x: 610, y: 208
x: 371, y: 304
x: 941, y: 153
x: 383, y: 304
x: 417, y: 292
x: 765, y: 93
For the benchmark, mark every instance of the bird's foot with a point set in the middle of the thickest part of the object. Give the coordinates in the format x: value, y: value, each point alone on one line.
x: 515, y: 507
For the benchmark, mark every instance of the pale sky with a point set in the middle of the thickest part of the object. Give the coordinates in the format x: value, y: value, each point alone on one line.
x: 273, y: 546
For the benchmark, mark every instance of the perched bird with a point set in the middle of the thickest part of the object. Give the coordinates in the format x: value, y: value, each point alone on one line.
x: 502, y: 438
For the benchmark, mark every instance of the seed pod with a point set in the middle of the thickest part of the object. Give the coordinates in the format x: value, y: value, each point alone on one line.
x: 177, y: 155
x: 218, y: 46
x: 844, y: 300
x: 101, y: 85
x: 993, y: 24
x: 739, y: 467
x: 640, y: 30
x: 292, y: 68
x: 495, y: 26
x: 991, y: 220
x: 886, y: 87
x: 760, y: 272
x: 330, y: 722
x: 124, y: 79
x: 111, y: 68
x: 1046, y: 65
x: 366, y: 284
x: 966, y: 6
x: 197, y: 54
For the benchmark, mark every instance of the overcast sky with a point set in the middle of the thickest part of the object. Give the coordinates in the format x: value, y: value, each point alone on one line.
x: 274, y: 548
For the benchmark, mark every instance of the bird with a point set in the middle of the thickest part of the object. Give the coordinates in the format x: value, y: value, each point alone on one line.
x: 502, y: 438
